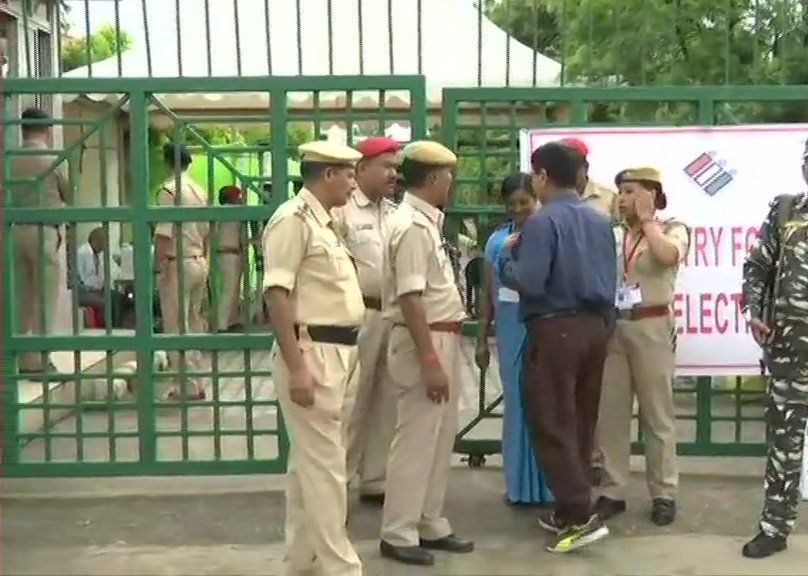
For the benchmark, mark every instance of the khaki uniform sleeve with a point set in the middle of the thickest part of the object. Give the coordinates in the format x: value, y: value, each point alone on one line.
x: 410, y: 261
x: 284, y: 246
x: 679, y: 234
x: 164, y: 198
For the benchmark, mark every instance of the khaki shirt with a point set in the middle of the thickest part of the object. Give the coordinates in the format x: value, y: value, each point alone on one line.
x: 417, y: 262
x: 657, y: 282
x: 601, y: 197
x: 229, y: 235
x: 304, y: 255
x: 194, y: 234
x: 52, y: 191
x: 363, y: 225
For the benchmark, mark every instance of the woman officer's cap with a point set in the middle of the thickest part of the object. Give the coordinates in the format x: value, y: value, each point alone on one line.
x: 645, y: 174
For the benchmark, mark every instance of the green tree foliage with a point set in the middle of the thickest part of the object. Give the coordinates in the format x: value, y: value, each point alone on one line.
x: 99, y: 46
x: 669, y: 42
x: 604, y: 43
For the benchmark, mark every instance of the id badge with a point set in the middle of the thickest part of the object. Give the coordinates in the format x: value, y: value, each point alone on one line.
x: 627, y: 297
x: 507, y: 295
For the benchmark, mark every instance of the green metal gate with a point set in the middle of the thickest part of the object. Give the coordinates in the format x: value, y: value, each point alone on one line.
x: 81, y: 422
x: 483, y: 125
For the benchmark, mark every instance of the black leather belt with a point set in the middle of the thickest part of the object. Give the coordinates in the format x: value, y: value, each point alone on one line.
x: 344, y: 335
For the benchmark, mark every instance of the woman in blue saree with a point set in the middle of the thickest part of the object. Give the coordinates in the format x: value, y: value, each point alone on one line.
x: 524, y: 480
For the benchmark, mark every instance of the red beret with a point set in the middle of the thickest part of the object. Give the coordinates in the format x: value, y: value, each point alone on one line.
x: 577, y: 144
x: 231, y: 193
x: 377, y: 145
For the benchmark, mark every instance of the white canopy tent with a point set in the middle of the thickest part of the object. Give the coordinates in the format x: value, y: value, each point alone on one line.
x: 449, y: 49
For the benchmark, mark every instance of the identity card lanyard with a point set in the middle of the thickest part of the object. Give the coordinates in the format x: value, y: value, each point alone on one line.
x: 628, y: 256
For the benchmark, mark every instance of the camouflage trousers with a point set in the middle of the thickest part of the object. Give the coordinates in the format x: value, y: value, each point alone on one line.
x: 785, y: 428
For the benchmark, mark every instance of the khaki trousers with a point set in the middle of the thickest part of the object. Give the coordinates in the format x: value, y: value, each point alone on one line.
x: 195, y: 288
x: 230, y: 268
x: 641, y: 362
x: 37, y: 284
x: 372, y: 420
x: 420, y: 456
x: 316, y: 495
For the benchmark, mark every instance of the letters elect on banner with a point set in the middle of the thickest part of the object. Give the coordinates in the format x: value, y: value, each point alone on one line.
x: 719, y: 183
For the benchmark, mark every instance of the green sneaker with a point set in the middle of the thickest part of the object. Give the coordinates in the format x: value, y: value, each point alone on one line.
x: 576, y: 537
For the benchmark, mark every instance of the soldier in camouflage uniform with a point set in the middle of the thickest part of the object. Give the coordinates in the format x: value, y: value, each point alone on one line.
x: 775, y: 284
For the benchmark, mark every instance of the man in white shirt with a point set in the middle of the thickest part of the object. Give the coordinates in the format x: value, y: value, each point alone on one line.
x: 91, y: 268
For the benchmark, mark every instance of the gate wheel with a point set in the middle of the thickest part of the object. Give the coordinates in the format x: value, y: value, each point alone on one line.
x: 476, y: 460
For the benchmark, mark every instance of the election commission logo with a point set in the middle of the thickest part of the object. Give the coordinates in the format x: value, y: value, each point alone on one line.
x: 709, y: 173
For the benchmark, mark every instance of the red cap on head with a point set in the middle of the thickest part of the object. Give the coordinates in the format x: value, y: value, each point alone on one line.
x: 577, y: 144
x: 377, y: 145
x: 230, y: 193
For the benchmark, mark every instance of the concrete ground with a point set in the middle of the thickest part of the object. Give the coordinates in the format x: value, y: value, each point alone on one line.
x: 234, y: 525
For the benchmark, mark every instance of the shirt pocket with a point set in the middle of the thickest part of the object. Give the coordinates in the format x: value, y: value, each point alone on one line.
x: 333, y: 259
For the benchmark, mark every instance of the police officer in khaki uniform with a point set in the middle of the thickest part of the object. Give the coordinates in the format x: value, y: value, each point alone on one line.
x: 362, y: 223
x: 316, y: 310
x: 642, y: 351
x: 36, y: 257
x: 188, y: 258
x: 230, y: 260
x: 423, y: 301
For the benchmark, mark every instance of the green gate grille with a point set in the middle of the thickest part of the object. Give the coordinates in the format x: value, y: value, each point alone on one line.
x: 79, y: 423
x: 483, y: 125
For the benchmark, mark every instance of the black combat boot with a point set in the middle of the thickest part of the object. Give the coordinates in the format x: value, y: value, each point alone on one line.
x: 764, y: 545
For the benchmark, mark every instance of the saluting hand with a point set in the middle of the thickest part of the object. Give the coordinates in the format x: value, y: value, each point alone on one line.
x: 301, y: 387
x: 644, y: 204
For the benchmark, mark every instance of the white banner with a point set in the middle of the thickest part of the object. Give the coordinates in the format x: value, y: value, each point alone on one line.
x: 719, y: 181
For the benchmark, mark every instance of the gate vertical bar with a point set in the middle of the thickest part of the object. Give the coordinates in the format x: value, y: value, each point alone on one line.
x: 280, y: 192
x: 139, y: 150
x: 9, y: 418
x: 418, y: 109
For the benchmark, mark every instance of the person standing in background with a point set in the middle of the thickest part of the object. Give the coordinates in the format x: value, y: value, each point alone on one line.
x: 563, y: 266
x: 601, y: 197
x: 524, y: 480
x: 36, y: 246
x: 363, y: 224
x: 189, y: 259
x: 642, y: 351
x: 230, y: 255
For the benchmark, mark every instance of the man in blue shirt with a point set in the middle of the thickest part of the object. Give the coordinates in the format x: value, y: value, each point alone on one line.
x: 563, y: 265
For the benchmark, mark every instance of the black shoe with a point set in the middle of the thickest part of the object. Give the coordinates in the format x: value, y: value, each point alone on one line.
x: 663, y: 511
x: 450, y: 543
x: 413, y: 555
x: 550, y: 522
x: 763, y: 545
x: 609, y: 508
x: 377, y: 499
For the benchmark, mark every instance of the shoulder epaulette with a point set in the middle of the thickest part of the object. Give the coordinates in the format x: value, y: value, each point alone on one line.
x: 303, y: 210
